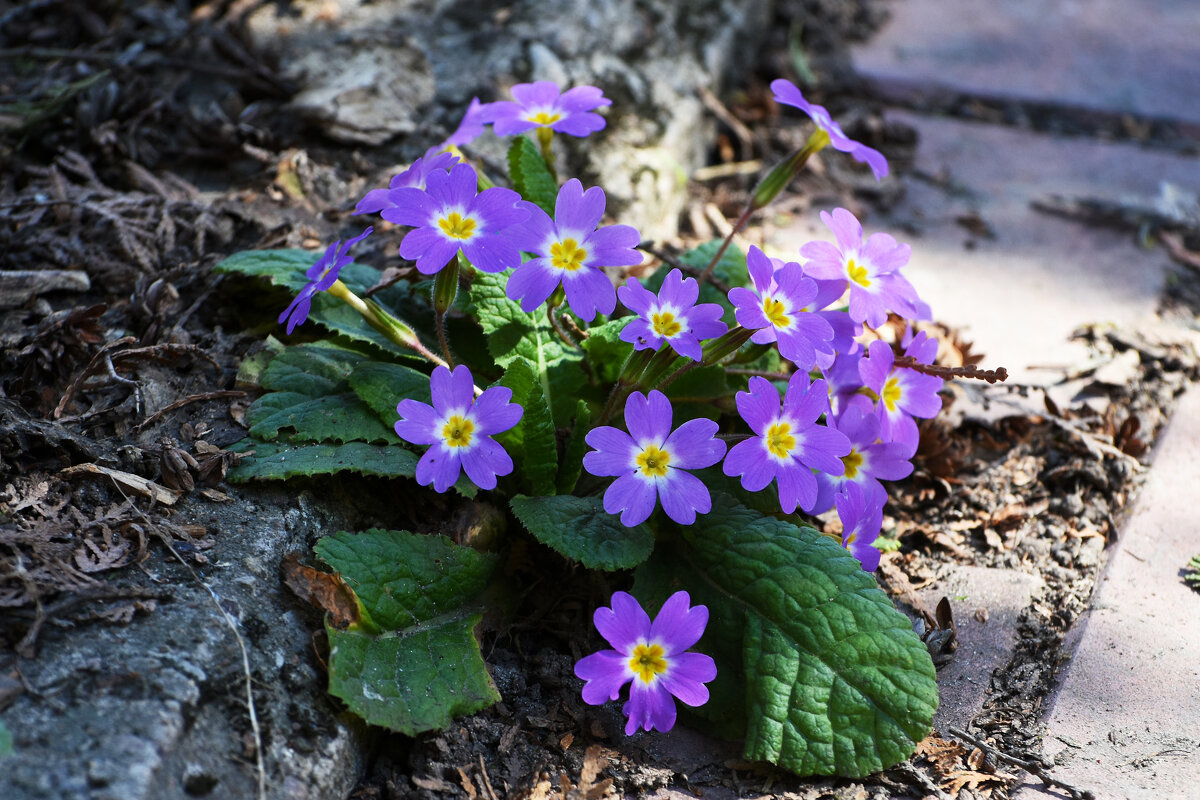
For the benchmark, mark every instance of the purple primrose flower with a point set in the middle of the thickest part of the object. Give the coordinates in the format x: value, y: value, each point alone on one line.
x: 651, y: 655
x: 774, y: 309
x: 868, y: 462
x: 542, y: 105
x: 570, y: 250
x: 862, y: 519
x: 458, y: 428
x: 377, y: 200
x: 871, y: 269
x: 788, y: 443
x: 789, y: 94
x: 451, y: 215
x: 650, y: 461
x: 672, y: 316
x: 321, y: 276
x: 903, y: 393
x: 471, y: 126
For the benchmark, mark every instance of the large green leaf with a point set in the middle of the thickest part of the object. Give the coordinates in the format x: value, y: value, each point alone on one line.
x: 382, y: 386
x: 572, y: 460
x: 531, y: 442
x: 331, y: 418
x: 314, y: 369
x: 530, y: 175
x: 287, y: 268
x: 512, y: 334
x: 835, y: 681
x: 276, y: 461
x: 580, y: 529
x: 413, y: 663
x: 606, y: 352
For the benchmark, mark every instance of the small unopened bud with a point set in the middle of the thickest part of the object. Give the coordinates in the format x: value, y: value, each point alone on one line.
x: 445, y: 286
x: 779, y: 177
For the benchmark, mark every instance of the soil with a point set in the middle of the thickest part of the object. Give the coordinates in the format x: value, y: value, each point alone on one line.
x: 134, y: 171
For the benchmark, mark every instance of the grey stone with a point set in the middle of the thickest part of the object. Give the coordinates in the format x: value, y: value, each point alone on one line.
x: 1110, y: 55
x: 985, y: 642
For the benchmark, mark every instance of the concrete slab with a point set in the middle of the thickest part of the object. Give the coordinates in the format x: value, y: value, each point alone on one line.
x: 1118, y: 56
x: 1020, y: 293
x: 987, y: 605
x: 1126, y: 721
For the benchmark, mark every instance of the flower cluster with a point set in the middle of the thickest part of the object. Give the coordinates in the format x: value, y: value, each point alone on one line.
x: 825, y: 430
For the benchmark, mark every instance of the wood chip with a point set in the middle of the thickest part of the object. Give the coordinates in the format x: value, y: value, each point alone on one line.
x: 127, y: 480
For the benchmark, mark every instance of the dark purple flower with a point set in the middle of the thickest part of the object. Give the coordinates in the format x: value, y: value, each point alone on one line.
x: 903, y: 393
x: 458, y: 428
x: 651, y: 655
x: 377, y: 200
x: 452, y: 215
x: 774, y: 309
x: 787, y: 93
x: 868, y: 462
x: 571, y: 251
x: 671, y: 316
x: 862, y: 519
x: 321, y: 276
x: 788, y: 443
x: 650, y: 461
x: 871, y: 269
x: 541, y: 105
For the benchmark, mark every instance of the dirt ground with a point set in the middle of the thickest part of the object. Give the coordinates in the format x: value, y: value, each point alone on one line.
x: 143, y: 170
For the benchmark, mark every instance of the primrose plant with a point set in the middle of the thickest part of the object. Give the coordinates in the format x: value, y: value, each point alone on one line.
x: 681, y: 430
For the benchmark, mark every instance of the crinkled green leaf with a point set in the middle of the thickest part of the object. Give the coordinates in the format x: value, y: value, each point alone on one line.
x: 282, y: 460
x: 512, y: 334
x: 572, y: 460
x: 337, y: 317
x: 580, y: 529
x: 531, y: 442
x: 287, y: 268
x: 529, y: 174
x: 314, y: 369
x: 382, y: 386
x: 605, y: 350
x: 330, y: 418
x: 835, y: 681
x: 416, y: 664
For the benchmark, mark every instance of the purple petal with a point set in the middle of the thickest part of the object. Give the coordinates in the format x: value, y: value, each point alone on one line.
x: 677, y: 625
x: 648, y: 419
x: 532, y: 95
x: 650, y: 706
x: 624, y: 624
x: 492, y: 253
x: 419, y: 423
x: 605, y: 672
x: 533, y: 283
x: 631, y: 497
x: 686, y: 677
x: 748, y: 460
x: 484, y: 461
x: 579, y: 124
x: 614, y: 452
x: 682, y: 495
x: 582, y: 98
x: 439, y: 466
x: 494, y: 411
x: 693, y: 446
x: 575, y: 209
x: 589, y: 290
x: 797, y: 487
x: 759, y: 407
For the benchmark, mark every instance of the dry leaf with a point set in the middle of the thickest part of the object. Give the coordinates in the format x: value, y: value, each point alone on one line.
x: 324, y: 590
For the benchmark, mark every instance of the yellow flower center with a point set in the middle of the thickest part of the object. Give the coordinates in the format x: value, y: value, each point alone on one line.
x: 653, y: 461
x: 776, y: 312
x: 664, y: 324
x: 891, y: 393
x: 567, y: 255
x: 648, y: 661
x: 780, y: 441
x: 544, y: 117
x: 457, y: 431
x: 457, y: 226
x: 858, y: 274
x: 852, y: 463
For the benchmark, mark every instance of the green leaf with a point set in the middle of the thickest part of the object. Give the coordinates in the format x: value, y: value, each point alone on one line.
x: 605, y: 350
x: 414, y: 665
x: 315, y: 369
x: 512, y: 334
x: 835, y: 681
x: 382, y: 386
x: 332, y: 418
x: 287, y: 268
x: 697, y: 392
x: 530, y: 176
x: 337, y: 317
x: 580, y: 529
x: 531, y: 442
x: 572, y: 461
x: 276, y: 461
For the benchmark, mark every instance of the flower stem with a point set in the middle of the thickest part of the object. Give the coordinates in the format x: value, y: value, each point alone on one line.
x: 545, y: 136
x: 633, y: 367
x: 737, y: 226
x: 396, y: 331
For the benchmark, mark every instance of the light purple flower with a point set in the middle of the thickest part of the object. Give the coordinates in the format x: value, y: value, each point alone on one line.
x: 788, y: 443
x: 653, y: 656
x: 451, y: 215
x: 868, y: 462
x: 572, y: 251
x: 321, y: 276
x: 787, y: 93
x: 845, y: 382
x: 774, y: 310
x: 672, y: 316
x: 903, y: 393
x: 458, y: 428
x: 541, y: 105
x: 871, y: 269
x: 471, y: 126
x: 650, y: 461
x: 377, y: 200
x: 862, y: 519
